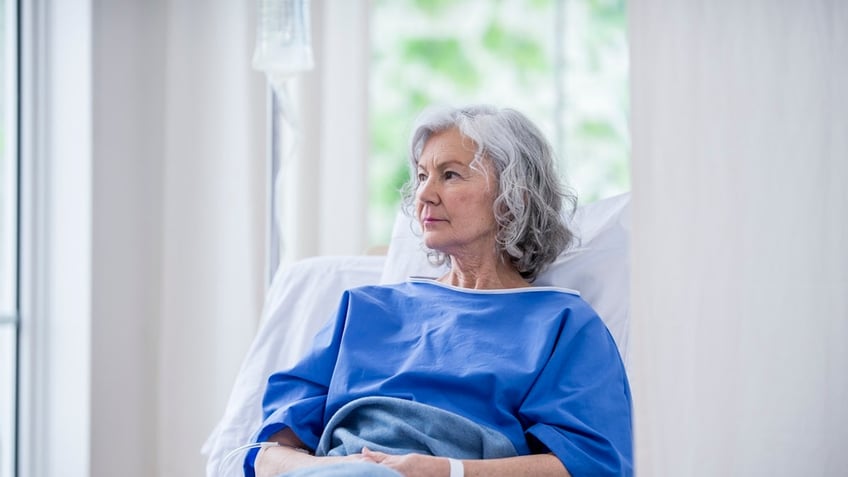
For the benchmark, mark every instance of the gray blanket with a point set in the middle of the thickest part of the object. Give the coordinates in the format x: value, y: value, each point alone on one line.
x: 398, y: 426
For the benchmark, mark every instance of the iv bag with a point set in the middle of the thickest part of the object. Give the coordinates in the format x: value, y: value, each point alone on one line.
x: 283, y: 39
x: 283, y: 48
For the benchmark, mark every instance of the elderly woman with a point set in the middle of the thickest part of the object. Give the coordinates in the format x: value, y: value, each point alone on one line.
x: 477, y: 371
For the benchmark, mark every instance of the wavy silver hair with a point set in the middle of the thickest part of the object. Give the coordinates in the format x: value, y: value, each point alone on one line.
x: 530, y: 195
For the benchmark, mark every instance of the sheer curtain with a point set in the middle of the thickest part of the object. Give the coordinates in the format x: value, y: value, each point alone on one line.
x: 213, y: 220
x: 740, y: 262
x: 143, y: 230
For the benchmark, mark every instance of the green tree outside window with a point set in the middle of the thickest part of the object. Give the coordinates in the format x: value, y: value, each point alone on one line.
x: 561, y: 62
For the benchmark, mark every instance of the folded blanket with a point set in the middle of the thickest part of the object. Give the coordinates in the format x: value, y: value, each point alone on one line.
x: 398, y: 426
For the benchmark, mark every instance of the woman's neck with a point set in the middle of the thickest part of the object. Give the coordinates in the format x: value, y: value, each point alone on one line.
x: 491, y: 275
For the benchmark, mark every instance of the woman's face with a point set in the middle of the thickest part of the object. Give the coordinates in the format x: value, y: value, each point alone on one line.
x: 453, y: 200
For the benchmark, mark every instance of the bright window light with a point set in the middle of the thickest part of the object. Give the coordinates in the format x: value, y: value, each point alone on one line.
x: 561, y: 62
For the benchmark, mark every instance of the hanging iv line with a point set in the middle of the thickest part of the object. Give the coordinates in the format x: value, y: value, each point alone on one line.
x: 283, y: 50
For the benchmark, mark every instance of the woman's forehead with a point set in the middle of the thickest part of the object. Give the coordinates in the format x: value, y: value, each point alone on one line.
x: 449, y: 145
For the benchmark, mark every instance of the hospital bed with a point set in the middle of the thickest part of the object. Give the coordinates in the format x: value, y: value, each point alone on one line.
x: 304, y: 296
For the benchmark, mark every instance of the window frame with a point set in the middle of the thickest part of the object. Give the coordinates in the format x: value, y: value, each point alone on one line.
x: 10, y: 315
x: 55, y: 150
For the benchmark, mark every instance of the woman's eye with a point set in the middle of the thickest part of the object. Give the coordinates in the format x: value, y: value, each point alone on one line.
x: 422, y: 178
x: 451, y: 175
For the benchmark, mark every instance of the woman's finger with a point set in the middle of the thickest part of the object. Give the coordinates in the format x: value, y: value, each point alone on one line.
x: 373, y: 456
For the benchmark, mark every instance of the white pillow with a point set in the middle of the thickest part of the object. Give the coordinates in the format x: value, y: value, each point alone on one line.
x: 598, y: 265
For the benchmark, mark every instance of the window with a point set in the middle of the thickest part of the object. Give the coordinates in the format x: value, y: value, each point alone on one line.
x: 8, y: 240
x: 561, y: 62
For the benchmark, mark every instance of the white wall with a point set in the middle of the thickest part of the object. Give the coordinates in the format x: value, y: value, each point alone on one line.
x: 740, y: 262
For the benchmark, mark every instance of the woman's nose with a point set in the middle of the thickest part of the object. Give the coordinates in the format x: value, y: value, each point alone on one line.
x: 427, y: 191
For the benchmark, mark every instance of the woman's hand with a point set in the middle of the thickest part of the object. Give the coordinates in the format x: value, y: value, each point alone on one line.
x: 417, y: 465
x: 410, y: 465
x: 290, y: 454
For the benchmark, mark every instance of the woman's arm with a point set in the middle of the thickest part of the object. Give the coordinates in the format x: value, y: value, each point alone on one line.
x: 415, y: 465
x: 530, y: 465
x: 291, y: 454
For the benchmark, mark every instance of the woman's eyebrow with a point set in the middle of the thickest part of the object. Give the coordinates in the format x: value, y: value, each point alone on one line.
x: 441, y: 164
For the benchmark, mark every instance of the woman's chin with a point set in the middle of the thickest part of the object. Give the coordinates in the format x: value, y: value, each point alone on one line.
x: 432, y: 243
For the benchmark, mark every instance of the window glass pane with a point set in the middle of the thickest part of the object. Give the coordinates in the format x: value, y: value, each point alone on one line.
x: 8, y: 169
x: 561, y: 62
x: 8, y: 239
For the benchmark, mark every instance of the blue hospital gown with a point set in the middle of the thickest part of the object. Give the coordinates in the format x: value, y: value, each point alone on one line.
x: 536, y: 364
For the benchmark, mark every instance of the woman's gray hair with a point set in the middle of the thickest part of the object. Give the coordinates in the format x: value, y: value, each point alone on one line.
x: 530, y: 196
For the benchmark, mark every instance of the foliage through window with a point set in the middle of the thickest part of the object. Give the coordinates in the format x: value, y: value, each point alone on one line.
x: 561, y: 62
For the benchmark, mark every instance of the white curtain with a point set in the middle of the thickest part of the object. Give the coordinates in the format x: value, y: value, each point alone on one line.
x: 213, y: 220
x: 144, y: 230
x: 740, y: 233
